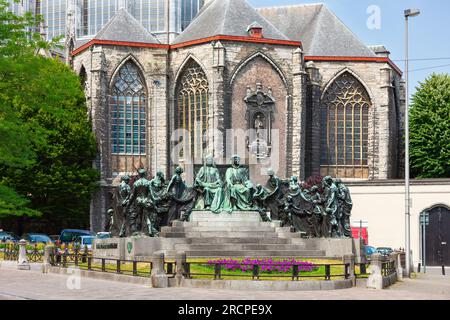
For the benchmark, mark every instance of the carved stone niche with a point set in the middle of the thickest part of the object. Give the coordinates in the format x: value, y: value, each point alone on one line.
x: 259, y: 116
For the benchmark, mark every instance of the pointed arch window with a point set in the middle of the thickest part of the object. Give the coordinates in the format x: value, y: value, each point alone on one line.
x: 192, y: 107
x: 345, y: 129
x: 128, y: 101
x: 83, y: 77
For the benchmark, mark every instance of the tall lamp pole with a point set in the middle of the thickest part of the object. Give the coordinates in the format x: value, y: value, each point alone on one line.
x: 157, y: 84
x: 408, y: 13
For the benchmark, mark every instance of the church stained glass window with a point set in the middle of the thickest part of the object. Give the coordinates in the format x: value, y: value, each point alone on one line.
x: 193, y: 108
x: 345, y: 129
x: 128, y: 111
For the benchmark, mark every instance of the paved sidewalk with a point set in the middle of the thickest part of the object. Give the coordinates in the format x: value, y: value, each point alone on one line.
x: 19, y: 285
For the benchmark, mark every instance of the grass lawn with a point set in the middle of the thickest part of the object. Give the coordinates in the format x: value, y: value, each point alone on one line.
x: 201, y: 270
x: 205, y: 271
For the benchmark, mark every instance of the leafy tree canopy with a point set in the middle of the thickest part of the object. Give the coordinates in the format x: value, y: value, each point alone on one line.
x: 430, y: 128
x: 47, y: 142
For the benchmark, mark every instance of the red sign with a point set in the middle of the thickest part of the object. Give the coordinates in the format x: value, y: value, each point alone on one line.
x: 364, y: 234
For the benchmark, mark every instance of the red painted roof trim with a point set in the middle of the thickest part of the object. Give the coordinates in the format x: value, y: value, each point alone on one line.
x: 237, y: 39
x: 186, y: 44
x: 357, y: 59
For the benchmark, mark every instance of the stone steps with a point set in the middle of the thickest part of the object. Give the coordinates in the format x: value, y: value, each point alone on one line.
x: 255, y: 253
x: 224, y: 234
x: 219, y: 229
x: 241, y: 234
x: 199, y: 216
x: 239, y: 241
x: 240, y: 246
x: 179, y: 224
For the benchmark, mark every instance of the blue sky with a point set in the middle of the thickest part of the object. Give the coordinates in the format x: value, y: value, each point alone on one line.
x: 429, y: 32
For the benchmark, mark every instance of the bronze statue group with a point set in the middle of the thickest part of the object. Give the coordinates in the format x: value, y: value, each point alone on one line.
x: 141, y: 208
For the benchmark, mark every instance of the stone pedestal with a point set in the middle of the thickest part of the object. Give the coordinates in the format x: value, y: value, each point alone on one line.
x: 159, y: 277
x: 375, y: 280
x: 23, y: 261
x: 237, y: 216
x: 180, y: 260
x: 114, y: 248
x: 133, y: 248
x: 47, y: 259
x: 398, y: 267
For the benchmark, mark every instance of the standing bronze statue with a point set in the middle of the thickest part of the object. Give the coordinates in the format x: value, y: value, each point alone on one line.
x: 259, y: 202
x: 345, y: 209
x: 299, y: 209
x: 323, y: 230
x: 140, y: 205
x: 161, y: 203
x: 332, y: 205
x: 182, y: 198
x: 123, y: 193
x: 274, y: 198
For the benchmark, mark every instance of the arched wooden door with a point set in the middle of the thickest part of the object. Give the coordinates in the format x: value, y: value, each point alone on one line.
x: 438, y: 237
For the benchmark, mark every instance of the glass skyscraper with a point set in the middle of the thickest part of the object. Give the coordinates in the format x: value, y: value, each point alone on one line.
x: 92, y: 15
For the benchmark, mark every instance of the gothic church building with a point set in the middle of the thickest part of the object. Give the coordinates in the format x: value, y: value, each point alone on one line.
x: 336, y: 104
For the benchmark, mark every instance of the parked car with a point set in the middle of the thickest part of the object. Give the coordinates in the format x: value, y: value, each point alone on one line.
x: 54, y: 237
x: 70, y: 235
x: 8, y: 236
x: 104, y: 235
x: 37, y: 238
x: 84, y: 241
x: 369, y: 250
x: 385, y: 251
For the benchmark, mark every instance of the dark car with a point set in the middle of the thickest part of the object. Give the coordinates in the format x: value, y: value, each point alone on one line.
x: 8, y: 236
x: 70, y: 235
x: 385, y: 251
x: 37, y: 238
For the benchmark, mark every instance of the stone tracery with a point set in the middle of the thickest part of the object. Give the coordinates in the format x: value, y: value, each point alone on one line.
x: 345, y: 131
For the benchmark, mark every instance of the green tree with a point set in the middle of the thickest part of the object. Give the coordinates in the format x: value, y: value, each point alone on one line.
x: 47, y: 141
x: 430, y: 128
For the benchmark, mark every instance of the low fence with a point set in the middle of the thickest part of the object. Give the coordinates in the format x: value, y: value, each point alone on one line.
x: 11, y: 252
x: 261, y: 271
x: 35, y: 252
x: 381, y: 271
x: 85, y: 261
x: 362, y: 270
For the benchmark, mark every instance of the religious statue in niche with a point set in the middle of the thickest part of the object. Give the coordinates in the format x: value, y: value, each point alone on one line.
x: 260, y: 116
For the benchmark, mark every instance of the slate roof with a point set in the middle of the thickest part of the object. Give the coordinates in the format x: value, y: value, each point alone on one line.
x: 227, y: 17
x: 321, y: 32
x: 124, y: 27
x: 80, y: 43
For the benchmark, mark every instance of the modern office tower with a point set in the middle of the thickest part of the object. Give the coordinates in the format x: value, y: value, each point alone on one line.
x: 189, y: 9
x: 54, y: 12
x: 55, y: 15
x: 154, y: 15
x: 92, y: 15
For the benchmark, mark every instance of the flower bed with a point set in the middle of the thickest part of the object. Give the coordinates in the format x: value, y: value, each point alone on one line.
x: 265, y: 265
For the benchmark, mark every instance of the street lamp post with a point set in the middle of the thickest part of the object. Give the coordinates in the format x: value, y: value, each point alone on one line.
x: 408, y: 13
x: 157, y: 84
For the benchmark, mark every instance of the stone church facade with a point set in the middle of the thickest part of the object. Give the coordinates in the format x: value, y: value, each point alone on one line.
x: 328, y: 104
